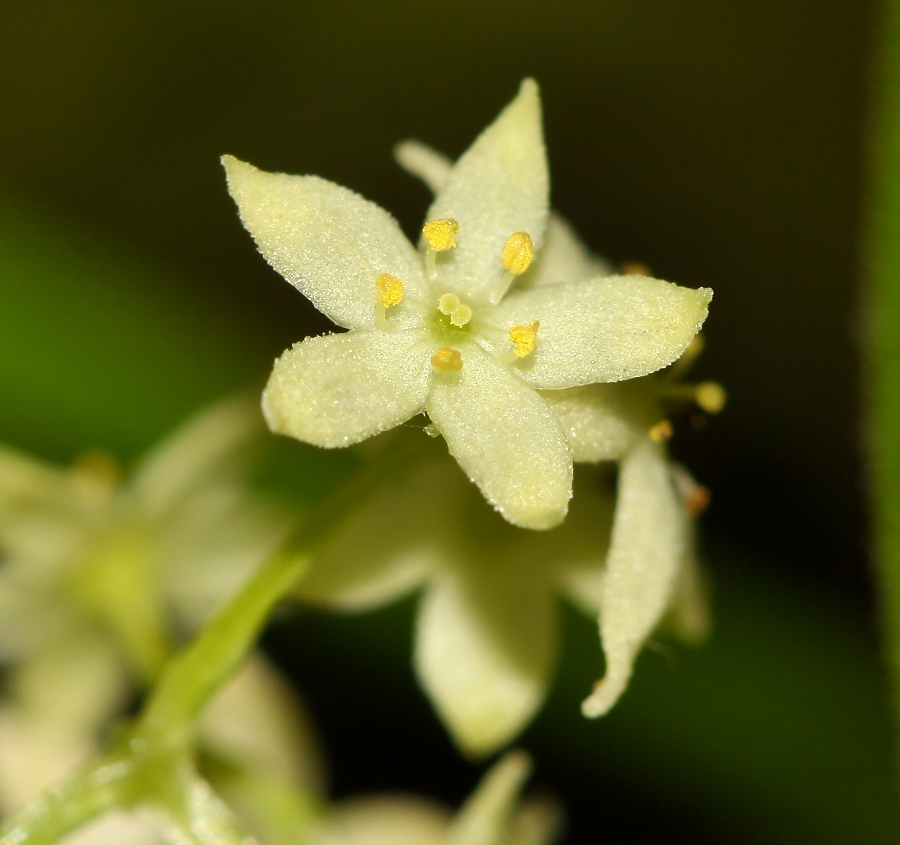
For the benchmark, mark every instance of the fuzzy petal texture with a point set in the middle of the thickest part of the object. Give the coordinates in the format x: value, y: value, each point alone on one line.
x: 606, y: 329
x: 485, y: 648
x: 506, y: 438
x: 498, y: 187
x: 597, y: 419
x: 488, y: 815
x: 328, y: 242
x: 389, y: 546
x: 339, y: 389
x: 649, y: 541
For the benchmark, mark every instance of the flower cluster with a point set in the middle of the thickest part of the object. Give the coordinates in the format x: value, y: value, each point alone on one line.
x: 510, y: 335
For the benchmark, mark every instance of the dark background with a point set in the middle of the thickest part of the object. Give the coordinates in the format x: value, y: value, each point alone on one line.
x: 723, y: 144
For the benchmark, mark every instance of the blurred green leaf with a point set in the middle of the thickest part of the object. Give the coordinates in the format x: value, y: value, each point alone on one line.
x: 99, y: 347
x: 882, y: 303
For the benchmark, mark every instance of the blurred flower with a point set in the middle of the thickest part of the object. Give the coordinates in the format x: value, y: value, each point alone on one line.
x: 487, y: 631
x: 651, y: 567
x: 493, y: 815
x: 257, y: 748
x: 99, y: 577
x: 434, y: 330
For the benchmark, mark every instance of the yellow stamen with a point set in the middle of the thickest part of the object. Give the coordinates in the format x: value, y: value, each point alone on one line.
x: 461, y: 315
x: 447, y: 360
x: 524, y: 338
x: 661, y: 432
x: 441, y: 234
x: 518, y: 253
x: 448, y: 303
x: 388, y: 290
x: 711, y: 396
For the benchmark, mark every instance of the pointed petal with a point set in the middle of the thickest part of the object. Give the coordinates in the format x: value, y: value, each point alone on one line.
x: 487, y: 817
x: 599, y: 419
x: 390, y: 545
x: 420, y: 160
x: 506, y: 439
x: 563, y: 258
x: 485, y: 647
x: 328, y: 242
x: 648, y: 543
x: 606, y: 329
x: 210, y: 447
x: 498, y: 187
x: 339, y: 389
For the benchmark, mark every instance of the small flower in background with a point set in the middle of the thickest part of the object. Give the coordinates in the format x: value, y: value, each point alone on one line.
x: 100, y: 578
x: 493, y: 815
x: 448, y: 329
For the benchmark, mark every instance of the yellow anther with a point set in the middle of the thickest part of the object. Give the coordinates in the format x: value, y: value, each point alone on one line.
x: 388, y: 290
x: 661, y: 432
x: 461, y: 315
x: 448, y: 303
x: 524, y: 338
x: 518, y: 253
x: 441, y: 234
x: 711, y: 396
x: 447, y: 360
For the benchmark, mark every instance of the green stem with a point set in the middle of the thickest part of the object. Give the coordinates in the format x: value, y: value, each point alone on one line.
x: 882, y: 353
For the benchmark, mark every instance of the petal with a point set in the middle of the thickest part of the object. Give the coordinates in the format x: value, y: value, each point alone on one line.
x: 487, y: 816
x: 420, y: 160
x: 339, y: 389
x: 256, y: 723
x: 485, y: 646
x: 649, y: 540
x: 506, y: 439
x: 328, y: 242
x: 563, y: 258
x: 605, y: 329
x: 390, y: 545
x: 386, y: 820
x: 209, y: 448
x: 599, y: 419
x: 498, y: 187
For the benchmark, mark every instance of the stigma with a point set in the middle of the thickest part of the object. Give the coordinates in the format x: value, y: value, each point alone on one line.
x: 458, y: 312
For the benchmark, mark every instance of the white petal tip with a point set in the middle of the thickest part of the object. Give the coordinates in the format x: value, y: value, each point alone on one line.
x: 604, y: 697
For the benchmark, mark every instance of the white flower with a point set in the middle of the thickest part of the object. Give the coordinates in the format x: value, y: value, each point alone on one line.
x: 651, y: 567
x: 445, y: 329
x: 98, y: 576
x: 493, y: 815
x: 486, y: 639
